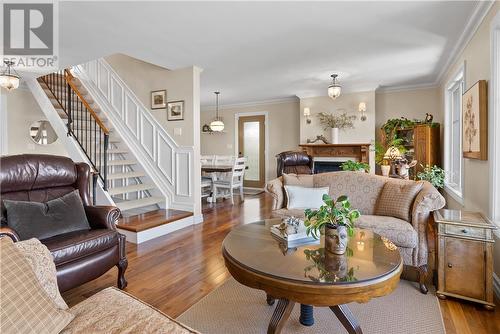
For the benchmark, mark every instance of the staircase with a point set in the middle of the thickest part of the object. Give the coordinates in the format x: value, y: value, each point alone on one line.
x: 117, y: 168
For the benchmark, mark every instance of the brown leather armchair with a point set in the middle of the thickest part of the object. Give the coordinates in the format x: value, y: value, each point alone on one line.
x: 294, y: 162
x: 79, y: 256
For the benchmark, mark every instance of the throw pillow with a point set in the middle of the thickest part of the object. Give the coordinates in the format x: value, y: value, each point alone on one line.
x: 304, y: 197
x: 44, y: 220
x: 24, y: 305
x: 42, y: 264
x: 303, y: 180
x: 396, y: 199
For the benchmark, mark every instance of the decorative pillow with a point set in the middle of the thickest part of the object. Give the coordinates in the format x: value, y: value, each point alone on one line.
x: 303, y: 180
x: 24, y: 305
x: 42, y: 264
x: 396, y: 199
x: 44, y: 220
x: 304, y: 197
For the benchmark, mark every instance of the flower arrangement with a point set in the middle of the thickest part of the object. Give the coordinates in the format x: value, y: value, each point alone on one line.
x: 331, y: 121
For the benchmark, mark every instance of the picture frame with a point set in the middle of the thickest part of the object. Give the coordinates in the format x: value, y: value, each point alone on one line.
x: 175, y: 110
x: 475, y: 121
x: 159, y: 99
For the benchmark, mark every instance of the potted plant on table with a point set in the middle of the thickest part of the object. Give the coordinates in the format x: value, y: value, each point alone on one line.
x: 335, y: 219
x: 336, y: 123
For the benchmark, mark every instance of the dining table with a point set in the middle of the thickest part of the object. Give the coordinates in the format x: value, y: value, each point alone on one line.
x: 216, y: 168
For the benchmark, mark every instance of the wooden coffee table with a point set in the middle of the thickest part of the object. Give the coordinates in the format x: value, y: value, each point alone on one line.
x: 310, y: 275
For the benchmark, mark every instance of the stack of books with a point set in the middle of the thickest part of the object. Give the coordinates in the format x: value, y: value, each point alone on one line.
x: 292, y: 234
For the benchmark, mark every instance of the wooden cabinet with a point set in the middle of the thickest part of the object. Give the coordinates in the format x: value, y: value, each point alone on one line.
x: 465, y: 256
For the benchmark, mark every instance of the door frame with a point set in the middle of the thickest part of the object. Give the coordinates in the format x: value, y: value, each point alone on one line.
x: 266, y: 137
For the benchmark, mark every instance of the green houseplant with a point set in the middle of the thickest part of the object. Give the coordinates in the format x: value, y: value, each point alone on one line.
x: 335, y: 218
x: 434, y: 174
x: 355, y: 166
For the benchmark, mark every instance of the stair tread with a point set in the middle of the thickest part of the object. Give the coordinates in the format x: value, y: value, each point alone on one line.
x: 131, y: 188
x: 145, y: 221
x: 127, y: 175
x: 119, y: 162
x: 137, y: 203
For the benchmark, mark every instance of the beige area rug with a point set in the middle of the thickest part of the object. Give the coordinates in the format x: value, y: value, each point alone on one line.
x: 237, y: 309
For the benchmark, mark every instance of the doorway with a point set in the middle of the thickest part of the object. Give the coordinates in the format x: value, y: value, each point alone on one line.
x: 251, y: 145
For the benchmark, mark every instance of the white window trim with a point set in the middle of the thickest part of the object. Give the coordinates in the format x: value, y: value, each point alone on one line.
x: 454, y: 193
x: 494, y: 120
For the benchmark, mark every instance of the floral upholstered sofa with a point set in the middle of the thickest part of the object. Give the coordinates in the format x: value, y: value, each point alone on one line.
x: 395, y: 209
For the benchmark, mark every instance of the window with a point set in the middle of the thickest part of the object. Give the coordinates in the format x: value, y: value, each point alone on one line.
x: 453, y: 162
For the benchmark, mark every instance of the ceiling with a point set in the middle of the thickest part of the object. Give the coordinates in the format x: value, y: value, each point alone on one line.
x: 255, y: 51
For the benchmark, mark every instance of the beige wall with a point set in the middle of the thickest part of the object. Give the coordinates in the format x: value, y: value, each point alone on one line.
x: 283, y: 123
x: 143, y: 78
x: 22, y: 111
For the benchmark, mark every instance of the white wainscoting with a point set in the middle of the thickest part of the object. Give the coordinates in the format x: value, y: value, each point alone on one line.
x: 169, y: 165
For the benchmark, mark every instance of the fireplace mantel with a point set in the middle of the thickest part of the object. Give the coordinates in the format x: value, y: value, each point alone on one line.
x: 359, y: 152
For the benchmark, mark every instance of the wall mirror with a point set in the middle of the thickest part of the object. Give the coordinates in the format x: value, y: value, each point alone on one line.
x: 42, y: 133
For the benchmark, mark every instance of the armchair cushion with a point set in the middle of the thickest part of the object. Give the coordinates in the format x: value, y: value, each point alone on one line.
x: 75, y: 245
x: 44, y: 220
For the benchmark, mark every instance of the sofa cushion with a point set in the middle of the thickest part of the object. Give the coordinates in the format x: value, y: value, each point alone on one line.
x: 305, y: 198
x: 24, y: 305
x: 400, y: 232
x: 44, y: 220
x: 396, y: 199
x: 114, y: 311
x: 74, y: 245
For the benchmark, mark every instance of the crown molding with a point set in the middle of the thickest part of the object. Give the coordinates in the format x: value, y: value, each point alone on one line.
x: 252, y: 103
x: 403, y: 88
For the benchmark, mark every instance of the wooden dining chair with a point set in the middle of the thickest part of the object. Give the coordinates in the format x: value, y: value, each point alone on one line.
x: 234, y: 181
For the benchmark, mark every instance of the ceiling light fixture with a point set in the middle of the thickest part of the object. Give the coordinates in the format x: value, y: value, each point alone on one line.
x: 334, y: 90
x: 217, y: 125
x: 9, y: 79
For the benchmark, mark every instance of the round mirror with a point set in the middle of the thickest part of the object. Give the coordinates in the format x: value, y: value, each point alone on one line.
x: 42, y: 133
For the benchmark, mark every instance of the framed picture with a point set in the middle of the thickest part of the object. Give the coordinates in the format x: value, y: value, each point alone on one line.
x: 475, y: 121
x: 175, y: 110
x: 159, y: 99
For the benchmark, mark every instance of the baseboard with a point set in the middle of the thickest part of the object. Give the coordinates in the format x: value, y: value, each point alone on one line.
x: 155, y: 232
x: 198, y: 219
x: 496, y: 285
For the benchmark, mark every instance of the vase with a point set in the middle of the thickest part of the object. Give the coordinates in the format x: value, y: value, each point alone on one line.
x: 335, y: 135
x: 336, y: 239
x: 385, y: 170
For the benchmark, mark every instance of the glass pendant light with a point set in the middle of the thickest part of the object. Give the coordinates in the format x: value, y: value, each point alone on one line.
x: 217, y: 125
x: 334, y: 90
x: 9, y: 79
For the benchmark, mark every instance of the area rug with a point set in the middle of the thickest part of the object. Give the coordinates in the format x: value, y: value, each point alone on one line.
x: 237, y: 309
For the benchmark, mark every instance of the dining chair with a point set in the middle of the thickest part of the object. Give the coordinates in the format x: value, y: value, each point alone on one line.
x: 224, y: 159
x: 207, y: 159
x: 234, y: 181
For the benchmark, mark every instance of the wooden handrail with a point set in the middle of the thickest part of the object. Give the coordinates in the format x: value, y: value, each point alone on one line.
x: 69, y: 79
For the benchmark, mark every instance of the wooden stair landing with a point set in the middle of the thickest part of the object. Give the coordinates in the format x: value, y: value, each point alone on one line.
x: 145, y: 221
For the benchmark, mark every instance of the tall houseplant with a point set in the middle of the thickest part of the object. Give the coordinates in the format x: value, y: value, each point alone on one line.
x: 335, y: 218
x: 336, y: 123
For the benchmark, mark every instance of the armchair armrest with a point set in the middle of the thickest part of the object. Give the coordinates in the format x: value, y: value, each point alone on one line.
x: 6, y: 231
x: 275, y: 188
x: 102, y: 216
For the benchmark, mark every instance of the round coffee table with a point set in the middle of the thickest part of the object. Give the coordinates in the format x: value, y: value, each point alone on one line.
x: 310, y: 275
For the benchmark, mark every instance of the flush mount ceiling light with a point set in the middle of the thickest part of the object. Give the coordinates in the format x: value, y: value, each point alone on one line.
x: 9, y: 79
x: 217, y: 125
x: 334, y: 90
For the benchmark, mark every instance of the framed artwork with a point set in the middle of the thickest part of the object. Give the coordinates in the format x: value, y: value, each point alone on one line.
x: 159, y: 99
x: 475, y: 122
x: 175, y: 111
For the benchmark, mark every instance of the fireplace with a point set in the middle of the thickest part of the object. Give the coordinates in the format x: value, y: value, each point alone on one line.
x: 328, y: 164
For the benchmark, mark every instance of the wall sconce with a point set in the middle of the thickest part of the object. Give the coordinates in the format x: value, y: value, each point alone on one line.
x: 362, y: 110
x: 307, y: 114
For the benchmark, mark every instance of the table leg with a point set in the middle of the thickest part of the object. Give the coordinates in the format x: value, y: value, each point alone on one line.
x: 347, y: 319
x: 280, y: 316
x: 306, y: 315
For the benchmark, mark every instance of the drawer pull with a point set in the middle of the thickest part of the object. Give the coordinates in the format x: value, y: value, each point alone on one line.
x: 464, y: 231
x: 450, y: 265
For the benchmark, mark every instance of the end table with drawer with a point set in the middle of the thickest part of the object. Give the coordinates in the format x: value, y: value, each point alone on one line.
x: 465, y: 256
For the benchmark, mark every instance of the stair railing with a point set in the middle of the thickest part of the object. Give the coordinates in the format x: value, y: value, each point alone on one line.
x: 84, y: 125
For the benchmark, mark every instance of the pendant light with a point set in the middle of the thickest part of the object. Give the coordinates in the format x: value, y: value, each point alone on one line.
x: 217, y: 125
x: 334, y: 90
x: 9, y: 79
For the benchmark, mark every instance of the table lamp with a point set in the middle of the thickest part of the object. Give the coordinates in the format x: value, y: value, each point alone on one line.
x: 392, y: 155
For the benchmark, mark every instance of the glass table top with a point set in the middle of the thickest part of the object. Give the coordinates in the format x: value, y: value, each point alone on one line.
x: 368, y: 256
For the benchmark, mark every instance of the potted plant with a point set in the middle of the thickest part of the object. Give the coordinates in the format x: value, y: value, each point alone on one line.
x: 335, y: 219
x: 355, y: 166
x: 336, y: 123
x: 435, y: 175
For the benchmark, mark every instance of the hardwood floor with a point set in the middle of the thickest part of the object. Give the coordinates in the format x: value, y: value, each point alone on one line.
x: 175, y: 271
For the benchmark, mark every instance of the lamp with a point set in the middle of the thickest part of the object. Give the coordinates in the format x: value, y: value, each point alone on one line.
x: 334, y: 90
x: 9, y: 79
x: 307, y: 113
x: 392, y: 154
x: 217, y: 125
x: 362, y: 110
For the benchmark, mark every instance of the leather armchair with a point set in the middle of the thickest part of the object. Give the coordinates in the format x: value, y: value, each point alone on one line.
x: 80, y: 256
x: 294, y: 162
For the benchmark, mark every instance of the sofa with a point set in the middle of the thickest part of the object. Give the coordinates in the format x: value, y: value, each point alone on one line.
x: 364, y: 190
x: 80, y: 256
